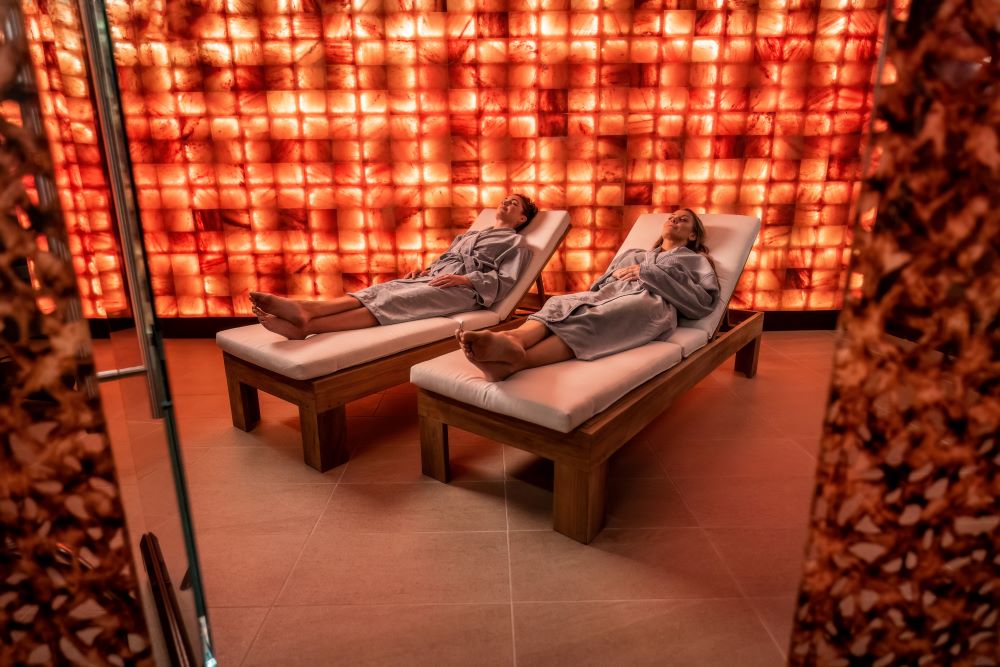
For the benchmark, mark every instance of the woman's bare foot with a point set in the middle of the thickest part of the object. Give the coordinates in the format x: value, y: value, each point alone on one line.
x: 287, y: 309
x: 486, y: 346
x: 460, y: 337
x: 280, y: 326
x: 494, y: 371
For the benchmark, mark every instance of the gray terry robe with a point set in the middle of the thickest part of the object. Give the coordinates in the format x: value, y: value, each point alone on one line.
x: 491, y: 258
x: 617, y: 315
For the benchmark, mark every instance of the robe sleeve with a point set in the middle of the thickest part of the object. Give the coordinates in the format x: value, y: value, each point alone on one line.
x: 688, y: 281
x: 621, y: 260
x: 493, y: 285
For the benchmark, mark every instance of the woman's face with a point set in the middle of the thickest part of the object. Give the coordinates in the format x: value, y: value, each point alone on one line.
x: 510, y: 212
x: 678, y: 228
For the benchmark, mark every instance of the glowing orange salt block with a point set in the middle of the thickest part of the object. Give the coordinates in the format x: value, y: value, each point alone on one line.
x: 591, y: 110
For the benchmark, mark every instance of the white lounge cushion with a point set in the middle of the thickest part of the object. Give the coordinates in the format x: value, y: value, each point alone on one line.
x: 475, y: 319
x: 560, y: 396
x: 688, y: 338
x: 326, y: 353
x: 729, y: 238
x: 563, y: 396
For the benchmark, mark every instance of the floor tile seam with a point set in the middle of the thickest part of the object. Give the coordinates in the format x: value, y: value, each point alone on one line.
x: 722, y: 476
x: 768, y: 478
x: 677, y: 598
x: 343, y: 531
x: 718, y: 554
x: 422, y: 482
x: 635, y: 478
x: 758, y: 527
x: 427, y: 483
x: 256, y: 634
x: 712, y: 439
x: 743, y: 593
x: 613, y: 530
x: 656, y: 459
x: 211, y: 532
x: 669, y: 598
x: 484, y: 445
x: 415, y: 605
x: 302, y: 549
x: 510, y: 574
x: 217, y: 484
x: 510, y: 564
x: 157, y: 468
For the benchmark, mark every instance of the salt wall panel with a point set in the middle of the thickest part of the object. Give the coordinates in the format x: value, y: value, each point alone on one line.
x: 903, y: 560
x: 308, y: 148
x: 55, y: 43
x: 68, y: 590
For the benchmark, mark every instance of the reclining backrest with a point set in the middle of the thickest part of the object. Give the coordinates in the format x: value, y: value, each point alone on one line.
x: 729, y: 239
x: 542, y: 236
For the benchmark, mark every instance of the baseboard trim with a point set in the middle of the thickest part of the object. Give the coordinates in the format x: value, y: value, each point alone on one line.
x: 207, y: 327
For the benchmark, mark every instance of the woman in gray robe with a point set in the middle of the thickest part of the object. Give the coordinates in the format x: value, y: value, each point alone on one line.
x: 637, y: 300
x: 477, y: 270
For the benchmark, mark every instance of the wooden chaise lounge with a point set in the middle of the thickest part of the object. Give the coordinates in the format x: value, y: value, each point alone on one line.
x: 578, y: 413
x: 324, y: 372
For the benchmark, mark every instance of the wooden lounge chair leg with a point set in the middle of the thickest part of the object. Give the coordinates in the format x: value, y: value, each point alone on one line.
x: 244, y: 403
x: 324, y: 436
x: 434, y: 449
x: 578, y: 504
x: 746, y: 358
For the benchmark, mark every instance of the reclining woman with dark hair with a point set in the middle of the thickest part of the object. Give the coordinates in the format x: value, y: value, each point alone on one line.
x: 637, y: 300
x: 477, y: 270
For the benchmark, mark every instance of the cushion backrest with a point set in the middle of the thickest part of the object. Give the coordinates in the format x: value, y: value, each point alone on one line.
x: 729, y: 239
x: 542, y: 236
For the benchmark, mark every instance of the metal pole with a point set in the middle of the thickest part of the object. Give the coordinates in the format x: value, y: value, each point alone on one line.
x: 112, y: 130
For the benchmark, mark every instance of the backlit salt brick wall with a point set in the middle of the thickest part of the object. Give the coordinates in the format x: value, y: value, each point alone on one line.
x: 55, y: 44
x: 308, y: 148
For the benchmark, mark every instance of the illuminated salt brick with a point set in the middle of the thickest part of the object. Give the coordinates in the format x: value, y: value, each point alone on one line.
x: 828, y: 49
x: 678, y: 22
x: 676, y: 50
x: 803, y: 237
x: 584, y: 51
x: 166, y: 306
x: 737, y: 50
x: 777, y: 193
x: 834, y: 215
x: 609, y: 195
x: 760, y: 123
x: 757, y: 194
x: 321, y: 197
x: 524, y: 173
x: 792, y: 299
x: 238, y: 242
x: 705, y: 49
x: 771, y: 23
x: 812, y: 170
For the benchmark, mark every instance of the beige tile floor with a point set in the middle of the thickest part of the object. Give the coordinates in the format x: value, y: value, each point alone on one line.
x: 372, y: 563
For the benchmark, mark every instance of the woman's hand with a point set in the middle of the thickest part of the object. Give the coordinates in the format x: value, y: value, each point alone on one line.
x: 415, y: 274
x: 450, y: 280
x: 627, y: 272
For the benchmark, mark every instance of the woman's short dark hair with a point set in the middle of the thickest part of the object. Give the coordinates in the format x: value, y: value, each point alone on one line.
x: 530, y: 210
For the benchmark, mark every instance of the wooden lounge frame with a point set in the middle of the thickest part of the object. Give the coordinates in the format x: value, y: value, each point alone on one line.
x: 581, y: 456
x: 322, y: 400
